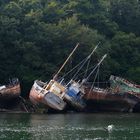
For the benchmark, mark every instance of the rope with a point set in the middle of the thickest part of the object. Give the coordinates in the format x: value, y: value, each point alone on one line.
x: 86, y: 69
x: 96, y: 66
x: 84, y: 72
x: 98, y: 76
x: 94, y: 80
x: 87, y: 58
x: 73, y: 68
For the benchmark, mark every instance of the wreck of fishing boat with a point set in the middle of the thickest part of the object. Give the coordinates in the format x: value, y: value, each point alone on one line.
x: 80, y: 87
x: 75, y: 89
x: 105, y: 100
x: 111, y: 99
x: 119, y: 84
x: 9, y: 93
x: 98, y: 99
x: 51, y: 93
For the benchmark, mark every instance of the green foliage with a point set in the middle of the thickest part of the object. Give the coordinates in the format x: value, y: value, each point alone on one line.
x: 125, y: 52
x: 126, y: 13
x: 36, y: 36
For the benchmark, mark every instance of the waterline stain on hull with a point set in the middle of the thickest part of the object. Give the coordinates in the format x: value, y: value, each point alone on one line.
x: 38, y: 95
x: 105, y: 101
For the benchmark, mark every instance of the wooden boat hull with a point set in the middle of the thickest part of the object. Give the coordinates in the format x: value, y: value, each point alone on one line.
x: 10, y: 92
x: 106, y: 101
x: 38, y: 95
x: 9, y: 96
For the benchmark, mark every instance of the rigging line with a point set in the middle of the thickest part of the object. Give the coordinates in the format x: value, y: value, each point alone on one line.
x: 87, y: 58
x: 66, y: 61
x: 99, y: 82
x: 98, y: 76
x: 86, y: 69
x: 94, y: 81
x: 74, y: 68
x: 96, y: 66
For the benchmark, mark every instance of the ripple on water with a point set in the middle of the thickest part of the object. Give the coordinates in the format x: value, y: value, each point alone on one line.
x: 65, y: 127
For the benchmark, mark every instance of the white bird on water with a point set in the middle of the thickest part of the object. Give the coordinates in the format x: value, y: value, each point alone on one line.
x: 110, y: 128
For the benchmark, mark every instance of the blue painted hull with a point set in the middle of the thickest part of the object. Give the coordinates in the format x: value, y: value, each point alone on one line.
x: 75, y: 100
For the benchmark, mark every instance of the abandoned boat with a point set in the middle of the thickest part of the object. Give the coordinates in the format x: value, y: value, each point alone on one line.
x: 99, y: 99
x: 51, y: 93
x: 75, y: 90
x: 118, y: 84
x: 47, y: 94
x: 12, y: 90
x: 9, y: 93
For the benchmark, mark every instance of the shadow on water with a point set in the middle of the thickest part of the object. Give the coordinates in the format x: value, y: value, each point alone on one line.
x: 69, y: 126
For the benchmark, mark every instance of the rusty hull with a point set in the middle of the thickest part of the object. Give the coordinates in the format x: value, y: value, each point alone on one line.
x: 104, y: 100
x: 11, y: 91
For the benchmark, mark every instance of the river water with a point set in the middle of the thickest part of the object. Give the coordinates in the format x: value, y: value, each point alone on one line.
x: 69, y: 126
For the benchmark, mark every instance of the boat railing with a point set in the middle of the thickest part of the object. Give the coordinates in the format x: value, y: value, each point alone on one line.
x: 131, y: 84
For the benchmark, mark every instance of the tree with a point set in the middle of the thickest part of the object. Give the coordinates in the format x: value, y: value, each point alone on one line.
x: 126, y: 13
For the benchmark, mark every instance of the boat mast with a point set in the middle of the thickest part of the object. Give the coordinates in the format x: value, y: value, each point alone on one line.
x: 85, y: 80
x: 66, y: 61
x: 87, y: 58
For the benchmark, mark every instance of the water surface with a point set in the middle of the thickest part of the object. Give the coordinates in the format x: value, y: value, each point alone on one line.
x: 69, y: 126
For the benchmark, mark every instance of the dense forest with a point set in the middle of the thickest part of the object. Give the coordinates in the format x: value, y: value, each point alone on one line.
x: 36, y: 36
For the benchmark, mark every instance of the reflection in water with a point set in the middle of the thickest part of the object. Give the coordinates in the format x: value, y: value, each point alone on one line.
x: 69, y: 127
